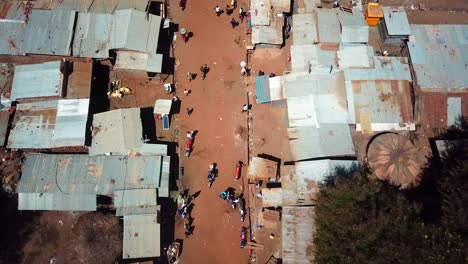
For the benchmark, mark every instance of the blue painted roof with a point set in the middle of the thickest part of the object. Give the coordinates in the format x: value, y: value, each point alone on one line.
x: 262, y: 88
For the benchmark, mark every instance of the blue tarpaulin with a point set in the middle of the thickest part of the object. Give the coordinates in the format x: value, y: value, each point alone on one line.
x: 262, y: 88
x: 166, y: 121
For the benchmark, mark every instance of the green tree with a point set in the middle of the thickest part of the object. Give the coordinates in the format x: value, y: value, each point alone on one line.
x: 365, y: 221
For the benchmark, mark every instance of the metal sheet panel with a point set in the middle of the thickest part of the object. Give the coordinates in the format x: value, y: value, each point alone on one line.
x: 117, y: 131
x: 298, y: 232
x: 141, y: 238
x: 328, y: 26
x: 311, y: 142
x: 37, y: 80
x: 56, y: 202
x: 135, y: 201
x: 454, y: 110
x: 304, y: 29
x: 396, y: 21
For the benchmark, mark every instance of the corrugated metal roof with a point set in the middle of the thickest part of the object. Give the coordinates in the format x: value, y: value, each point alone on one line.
x: 129, y: 29
x: 163, y: 189
x: 93, y: 35
x: 353, y: 27
x: 37, y: 80
x: 117, y: 131
x: 355, y: 56
x: 328, y: 26
x: 267, y: 35
x: 79, y: 80
x: 298, y: 232
x: 141, y: 238
x: 135, y: 60
x: 385, y: 68
x: 4, y: 117
x: 56, y: 202
x: 281, y: 6
x: 434, y: 111
x: 304, y: 29
x: 47, y: 32
x: 454, y: 110
x: 72, y: 116
x: 162, y: 106
x: 135, y: 201
x: 153, y: 149
x: 315, y: 98
x: 300, y: 183
x: 92, y: 6
x: 133, y: 31
x: 311, y: 57
x: 302, y: 83
x: 261, y: 168
x: 260, y: 12
x: 272, y: 197
x: 262, y: 89
x: 439, y: 57
x: 382, y: 105
x: 396, y: 21
x: 327, y: 141
x: 49, y: 124
x: 79, y: 173
x: 302, y: 111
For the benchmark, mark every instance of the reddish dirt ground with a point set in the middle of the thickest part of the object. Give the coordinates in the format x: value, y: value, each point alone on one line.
x: 222, y: 129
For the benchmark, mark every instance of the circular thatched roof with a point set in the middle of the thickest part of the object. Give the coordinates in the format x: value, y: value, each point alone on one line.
x: 393, y: 158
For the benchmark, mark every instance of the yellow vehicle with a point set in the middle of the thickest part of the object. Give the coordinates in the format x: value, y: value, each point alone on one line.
x: 115, y: 89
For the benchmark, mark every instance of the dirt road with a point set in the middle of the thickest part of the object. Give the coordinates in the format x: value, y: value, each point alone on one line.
x: 222, y: 129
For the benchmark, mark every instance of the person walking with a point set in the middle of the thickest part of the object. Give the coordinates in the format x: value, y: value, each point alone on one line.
x: 218, y: 10
x: 190, y: 134
x: 245, y: 108
x: 190, y: 76
x: 204, y: 70
x: 241, y: 15
x: 189, y: 111
x: 186, y: 92
x: 233, y: 23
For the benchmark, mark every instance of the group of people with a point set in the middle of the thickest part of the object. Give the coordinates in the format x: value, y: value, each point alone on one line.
x: 234, y: 201
x: 185, y: 211
x: 229, y: 10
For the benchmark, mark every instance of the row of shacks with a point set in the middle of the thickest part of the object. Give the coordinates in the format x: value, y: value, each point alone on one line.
x: 338, y: 86
x: 49, y: 112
